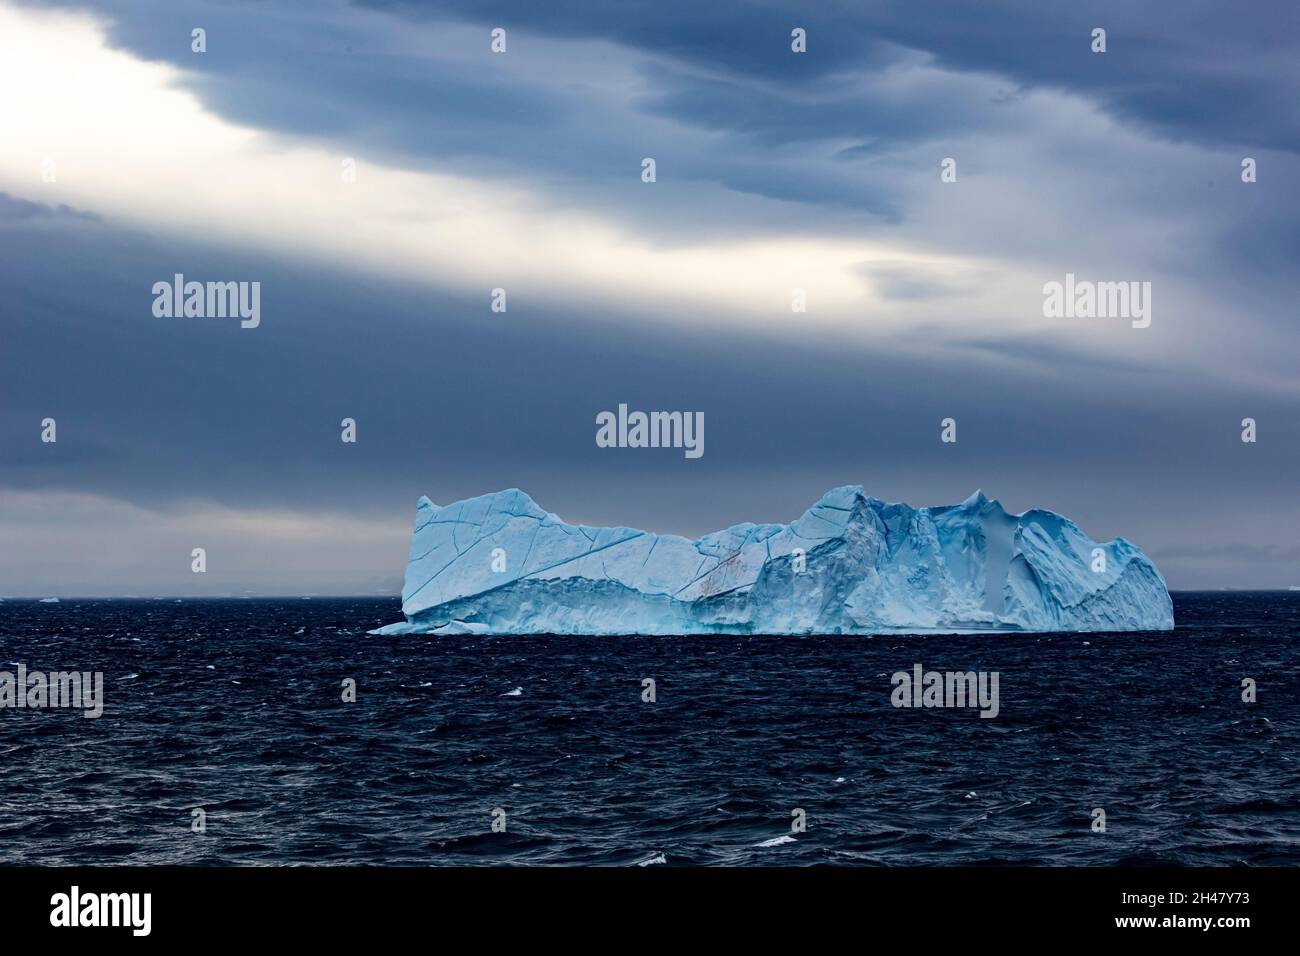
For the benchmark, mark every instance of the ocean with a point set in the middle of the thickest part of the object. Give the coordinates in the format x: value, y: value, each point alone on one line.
x: 754, y: 751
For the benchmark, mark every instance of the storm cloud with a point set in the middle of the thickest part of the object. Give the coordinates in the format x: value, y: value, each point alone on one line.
x: 522, y: 171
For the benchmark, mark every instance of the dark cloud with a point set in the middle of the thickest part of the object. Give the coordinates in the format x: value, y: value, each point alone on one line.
x: 1196, y: 71
x: 452, y: 400
x: 900, y: 282
x: 1192, y: 69
x: 16, y: 210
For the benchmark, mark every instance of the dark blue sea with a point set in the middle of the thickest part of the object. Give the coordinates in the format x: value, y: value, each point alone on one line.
x: 235, y: 707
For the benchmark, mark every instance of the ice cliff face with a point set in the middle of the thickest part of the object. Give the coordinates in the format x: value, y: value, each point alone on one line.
x: 499, y: 564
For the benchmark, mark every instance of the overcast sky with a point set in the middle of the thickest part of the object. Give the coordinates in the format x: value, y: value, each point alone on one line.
x: 522, y: 170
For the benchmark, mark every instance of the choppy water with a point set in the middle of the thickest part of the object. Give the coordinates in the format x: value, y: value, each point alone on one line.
x: 235, y: 706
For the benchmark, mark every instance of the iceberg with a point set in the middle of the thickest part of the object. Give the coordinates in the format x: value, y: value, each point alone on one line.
x: 852, y: 564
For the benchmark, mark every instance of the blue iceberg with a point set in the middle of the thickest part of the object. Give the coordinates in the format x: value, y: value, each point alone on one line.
x: 852, y: 564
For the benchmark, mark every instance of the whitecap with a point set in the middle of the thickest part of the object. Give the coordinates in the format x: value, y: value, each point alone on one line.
x: 776, y: 841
